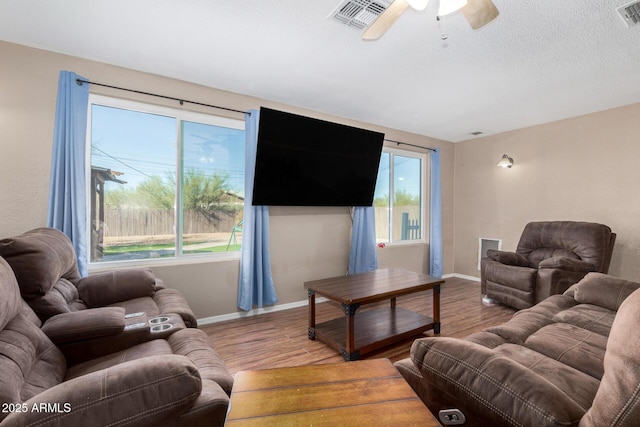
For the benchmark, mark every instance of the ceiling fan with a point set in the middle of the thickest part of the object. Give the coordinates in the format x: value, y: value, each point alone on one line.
x: 477, y: 12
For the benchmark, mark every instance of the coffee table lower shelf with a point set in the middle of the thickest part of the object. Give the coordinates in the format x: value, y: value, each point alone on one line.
x: 374, y: 329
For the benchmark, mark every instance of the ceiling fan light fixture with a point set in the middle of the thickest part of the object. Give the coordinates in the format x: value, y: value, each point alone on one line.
x: 418, y: 4
x: 450, y: 6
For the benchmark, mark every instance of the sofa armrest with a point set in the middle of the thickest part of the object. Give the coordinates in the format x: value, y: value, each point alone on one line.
x: 506, y: 275
x: 85, y: 324
x: 487, y: 383
x: 616, y: 401
x: 143, y: 392
x: 508, y: 258
x: 602, y: 290
x: 553, y: 281
x: 567, y: 264
x: 111, y: 287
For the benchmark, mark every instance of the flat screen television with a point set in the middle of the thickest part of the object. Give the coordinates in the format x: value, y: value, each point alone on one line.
x: 301, y: 161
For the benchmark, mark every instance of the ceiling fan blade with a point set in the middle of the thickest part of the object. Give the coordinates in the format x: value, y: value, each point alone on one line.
x: 385, y: 20
x: 480, y: 12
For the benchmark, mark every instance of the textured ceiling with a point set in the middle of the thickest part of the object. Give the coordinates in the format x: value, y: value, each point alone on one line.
x: 537, y: 62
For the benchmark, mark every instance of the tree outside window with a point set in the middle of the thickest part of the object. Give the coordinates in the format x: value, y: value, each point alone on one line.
x: 165, y: 183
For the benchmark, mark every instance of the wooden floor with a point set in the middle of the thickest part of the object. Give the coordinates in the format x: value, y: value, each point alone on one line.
x: 279, y: 339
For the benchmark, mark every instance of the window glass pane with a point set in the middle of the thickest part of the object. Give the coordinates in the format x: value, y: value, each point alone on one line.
x: 132, y: 189
x: 381, y: 199
x: 406, y: 198
x: 212, y: 188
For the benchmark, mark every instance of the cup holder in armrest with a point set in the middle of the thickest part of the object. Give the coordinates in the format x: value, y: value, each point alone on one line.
x: 132, y: 315
x: 134, y: 326
x: 161, y: 327
x: 158, y: 320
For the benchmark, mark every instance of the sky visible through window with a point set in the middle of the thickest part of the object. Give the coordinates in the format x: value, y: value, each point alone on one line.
x: 407, y: 172
x: 142, y: 145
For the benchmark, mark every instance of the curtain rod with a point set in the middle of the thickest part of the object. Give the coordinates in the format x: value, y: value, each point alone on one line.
x: 80, y: 82
x: 411, y: 145
x: 182, y: 101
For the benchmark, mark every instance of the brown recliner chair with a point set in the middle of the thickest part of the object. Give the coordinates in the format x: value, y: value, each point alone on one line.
x: 550, y: 257
x: 45, y: 265
x: 175, y: 381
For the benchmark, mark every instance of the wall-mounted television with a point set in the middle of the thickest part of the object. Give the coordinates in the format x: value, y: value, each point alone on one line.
x: 302, y: 161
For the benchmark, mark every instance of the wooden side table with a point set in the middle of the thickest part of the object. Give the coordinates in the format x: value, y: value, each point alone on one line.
x: 362, y: 393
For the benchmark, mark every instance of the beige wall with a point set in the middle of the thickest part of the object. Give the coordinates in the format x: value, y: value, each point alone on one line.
x: 306, y: 243
x: 584, y: 169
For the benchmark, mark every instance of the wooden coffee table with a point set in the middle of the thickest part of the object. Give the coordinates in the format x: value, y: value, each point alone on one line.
x: 362, y: 393
x: 354, y: 336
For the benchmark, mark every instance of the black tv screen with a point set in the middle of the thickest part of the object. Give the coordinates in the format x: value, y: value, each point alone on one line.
x: 301, y: 161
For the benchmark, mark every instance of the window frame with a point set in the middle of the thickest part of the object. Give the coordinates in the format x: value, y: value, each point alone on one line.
x: 424, y: 194
x: 180, y: 115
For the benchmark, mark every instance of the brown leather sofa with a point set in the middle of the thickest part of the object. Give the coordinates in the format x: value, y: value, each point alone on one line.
x: 45, y: 265
x: 550, y: 257
x: 101, y: 366
x: 570, y: 360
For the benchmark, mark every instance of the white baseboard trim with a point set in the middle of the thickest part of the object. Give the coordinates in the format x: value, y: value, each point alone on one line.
x: 255, y: 312
x: 258, y: 311
x: 464, y: 276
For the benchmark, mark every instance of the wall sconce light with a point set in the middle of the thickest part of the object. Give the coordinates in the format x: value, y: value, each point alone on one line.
x: 505, y: 162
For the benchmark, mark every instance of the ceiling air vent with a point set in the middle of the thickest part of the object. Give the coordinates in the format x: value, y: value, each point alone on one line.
x: 630, y: 13
x: 358, y: 14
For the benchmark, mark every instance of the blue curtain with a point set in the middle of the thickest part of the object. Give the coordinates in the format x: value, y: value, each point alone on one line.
x: 363, y: 256
x: 435, y: 215
x: 255, y: 284
x: 67, y: 190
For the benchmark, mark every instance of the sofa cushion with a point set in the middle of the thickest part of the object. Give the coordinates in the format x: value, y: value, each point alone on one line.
x: 39, y: 258
x: 519, y: 328
x: 111, y: 287
x: 571, y: 345
x: 62, y: 298
x: 617, y: 402
x: 526, y: 322
x: 589, y: 317
x: 580, y: 386
x: 550, y: 306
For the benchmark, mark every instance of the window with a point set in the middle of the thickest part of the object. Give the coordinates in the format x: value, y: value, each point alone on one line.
x: 398, y: 198
x: 164, y: 182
